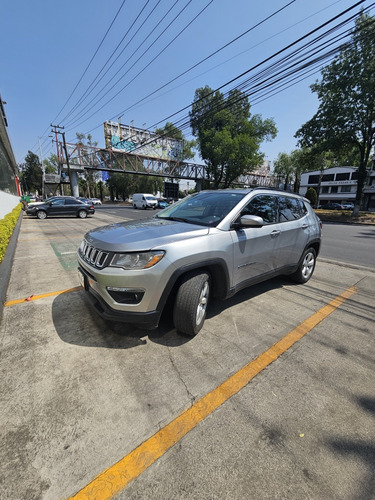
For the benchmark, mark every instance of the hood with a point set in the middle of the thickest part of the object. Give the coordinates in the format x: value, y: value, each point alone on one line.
x: 142, y: 235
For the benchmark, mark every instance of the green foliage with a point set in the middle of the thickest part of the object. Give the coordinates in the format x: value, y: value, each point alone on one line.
x: 173, y: 132
x: 345, y: 120
x: 7, y: 226
x: 228, y: 137
x: 122, y: 185
x: 50, y: 164
x: 31, y: 173
x: 312, y: 196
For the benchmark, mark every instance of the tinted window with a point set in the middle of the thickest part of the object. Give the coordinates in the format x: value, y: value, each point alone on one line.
x: 264, y: 206
x: 343, y: 177
x: 328, y: 177
x: 57, y: 202
x: 313, y: 179
x: 72, y: 202
x: 290, y: 209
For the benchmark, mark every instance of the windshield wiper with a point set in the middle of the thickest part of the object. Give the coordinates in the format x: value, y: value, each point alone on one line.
x: 177, y: 219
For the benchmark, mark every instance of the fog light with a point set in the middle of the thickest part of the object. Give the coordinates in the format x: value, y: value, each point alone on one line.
x: 126, y: 295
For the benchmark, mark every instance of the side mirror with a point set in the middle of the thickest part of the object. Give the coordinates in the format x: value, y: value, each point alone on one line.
x: 249, y: 221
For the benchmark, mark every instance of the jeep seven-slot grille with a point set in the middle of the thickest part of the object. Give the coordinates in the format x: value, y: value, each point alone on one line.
x: 92, y: 255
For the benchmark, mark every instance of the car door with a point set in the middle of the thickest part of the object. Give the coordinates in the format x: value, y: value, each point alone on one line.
x: 294, y: 230
x: 72, y: 206
x: 255, y: 249
x: 56, y: 207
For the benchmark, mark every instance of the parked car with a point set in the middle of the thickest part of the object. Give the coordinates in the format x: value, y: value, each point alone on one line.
x: 210, y: 244
x: 96, y: 201
x: 162, y: 204
x: 348, y: 206
x: 332, y: 206
x: 62, y: 205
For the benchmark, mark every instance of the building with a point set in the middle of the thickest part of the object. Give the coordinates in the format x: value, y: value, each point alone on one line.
x: 337, y: 184
x: 9, y: 185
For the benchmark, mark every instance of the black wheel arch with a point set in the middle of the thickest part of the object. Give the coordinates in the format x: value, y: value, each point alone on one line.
x: 219, y: 276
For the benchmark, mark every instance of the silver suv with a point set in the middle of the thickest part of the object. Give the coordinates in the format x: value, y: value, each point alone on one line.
x: 210, y: 244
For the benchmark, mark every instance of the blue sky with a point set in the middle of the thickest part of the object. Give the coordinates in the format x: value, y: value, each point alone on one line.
x: 47, y: 46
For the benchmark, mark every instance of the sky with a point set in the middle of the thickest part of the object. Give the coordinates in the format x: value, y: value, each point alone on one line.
x: 79, y: 63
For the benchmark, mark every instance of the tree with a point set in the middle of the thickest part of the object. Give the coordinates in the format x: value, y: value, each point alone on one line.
x: 51, y: 164
x: 284, y: 168
x: 173, y: 132
x: 228, y: 137
x: 31, y: 173
x: 345, y: 120
x: 312, y: 196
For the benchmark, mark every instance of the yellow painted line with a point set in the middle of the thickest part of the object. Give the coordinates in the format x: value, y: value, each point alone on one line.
x: 114, y: 479
x: 37, y: 297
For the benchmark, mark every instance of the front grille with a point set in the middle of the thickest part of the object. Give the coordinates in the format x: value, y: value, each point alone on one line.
x: 93, y: 256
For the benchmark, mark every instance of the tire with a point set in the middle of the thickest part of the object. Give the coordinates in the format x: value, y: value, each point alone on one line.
x: 41, y: 214
x: 82, y: 214
x: 135, y: 207
x: 306, y: 267
x: 191, y: 302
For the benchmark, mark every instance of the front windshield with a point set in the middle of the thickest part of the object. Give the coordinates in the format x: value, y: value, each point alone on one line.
x: 207, y: 208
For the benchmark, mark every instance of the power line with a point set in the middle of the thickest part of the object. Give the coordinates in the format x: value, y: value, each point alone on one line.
x: 148, y: 64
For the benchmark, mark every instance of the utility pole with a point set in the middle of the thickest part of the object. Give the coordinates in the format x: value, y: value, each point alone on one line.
x: 43, y: 170
x: 59, y: 161
x: 66, y: 154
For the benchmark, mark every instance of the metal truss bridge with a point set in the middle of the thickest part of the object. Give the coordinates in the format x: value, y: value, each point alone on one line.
x: 81, y: 157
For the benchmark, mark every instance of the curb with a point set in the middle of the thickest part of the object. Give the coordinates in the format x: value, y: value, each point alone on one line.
x: 345, y: 264
x: 6, y: 263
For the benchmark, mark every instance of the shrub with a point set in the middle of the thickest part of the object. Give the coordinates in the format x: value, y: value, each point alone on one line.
x: 7, y: 226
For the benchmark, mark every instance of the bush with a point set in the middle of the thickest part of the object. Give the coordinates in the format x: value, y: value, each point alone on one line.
x: 7, y: 226
x: 312, y: 196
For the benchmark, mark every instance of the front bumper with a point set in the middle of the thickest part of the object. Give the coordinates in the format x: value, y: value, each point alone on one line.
x: 148, y: 320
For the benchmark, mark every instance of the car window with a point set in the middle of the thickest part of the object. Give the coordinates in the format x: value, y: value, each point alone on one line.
x: 57, y: 202
x: 290, y: 209
x: 72, y: 202
x: 264, y: 206
x: 207, y: 208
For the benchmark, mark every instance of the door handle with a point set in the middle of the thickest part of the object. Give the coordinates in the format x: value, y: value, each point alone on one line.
x: 304, y: 226
x: 275, y: 233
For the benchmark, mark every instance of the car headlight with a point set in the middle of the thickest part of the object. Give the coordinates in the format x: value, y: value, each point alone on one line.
x: 142, y: 260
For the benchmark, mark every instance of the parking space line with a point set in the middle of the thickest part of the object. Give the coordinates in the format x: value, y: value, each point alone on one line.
x: 43, y: 296
x: 114, y: 479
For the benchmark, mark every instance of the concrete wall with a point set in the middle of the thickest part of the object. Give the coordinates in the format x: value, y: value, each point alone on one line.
x: 8, y: 169
x: 7, y: 203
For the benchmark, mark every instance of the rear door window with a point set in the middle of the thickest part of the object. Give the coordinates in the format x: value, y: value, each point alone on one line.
x: 290, y: 209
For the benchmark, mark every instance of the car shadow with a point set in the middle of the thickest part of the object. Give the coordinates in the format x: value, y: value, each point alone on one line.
x: 76, y: 323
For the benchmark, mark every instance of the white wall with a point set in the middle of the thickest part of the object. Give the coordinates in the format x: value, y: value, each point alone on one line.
x: 7, y: 203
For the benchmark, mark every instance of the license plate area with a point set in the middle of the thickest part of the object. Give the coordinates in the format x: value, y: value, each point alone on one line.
x: 83, y: 279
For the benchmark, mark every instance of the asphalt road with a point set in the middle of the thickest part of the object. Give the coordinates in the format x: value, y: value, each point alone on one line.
x: 348, y: 244
x: 275, y: 398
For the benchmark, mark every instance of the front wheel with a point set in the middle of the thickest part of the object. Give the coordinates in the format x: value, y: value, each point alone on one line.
x: 82, y: 214
x: 41, y: 214
x: 306, y: 267
x: 191, y: 302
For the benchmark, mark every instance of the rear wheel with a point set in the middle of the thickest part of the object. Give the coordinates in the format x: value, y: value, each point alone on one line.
x: 41, y: 214
x: 191, y: 302
x: 306, y: 268
x: 82, y: 214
